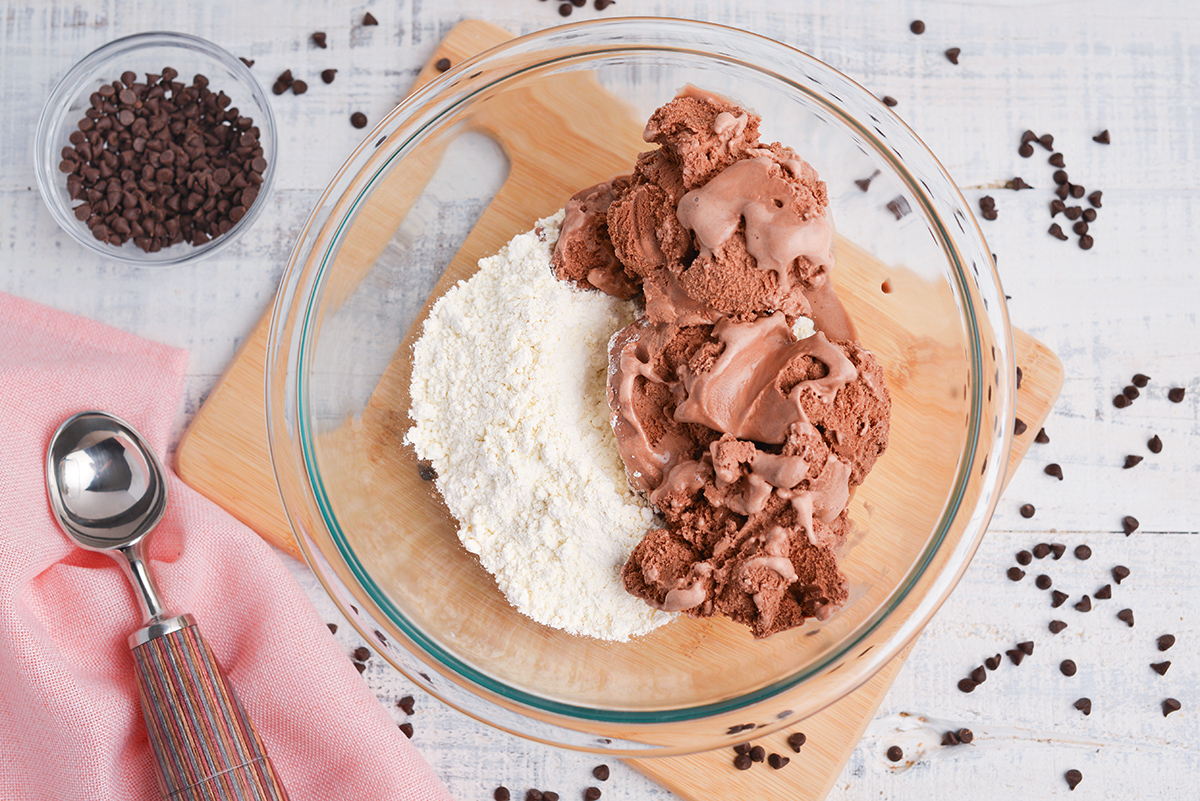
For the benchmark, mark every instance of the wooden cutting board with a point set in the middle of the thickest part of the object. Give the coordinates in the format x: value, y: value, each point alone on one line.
x: 224, y: 456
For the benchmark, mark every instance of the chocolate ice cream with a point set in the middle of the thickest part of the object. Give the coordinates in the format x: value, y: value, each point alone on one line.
x: 747, y: 438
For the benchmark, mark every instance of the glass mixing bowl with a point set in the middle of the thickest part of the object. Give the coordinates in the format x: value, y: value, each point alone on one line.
x: 476, y: 157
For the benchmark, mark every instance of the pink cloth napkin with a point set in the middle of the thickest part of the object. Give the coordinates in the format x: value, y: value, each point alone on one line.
x: 70, y: 724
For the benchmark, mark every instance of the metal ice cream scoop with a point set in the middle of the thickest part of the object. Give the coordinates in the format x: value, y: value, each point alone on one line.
x: 108, y: 492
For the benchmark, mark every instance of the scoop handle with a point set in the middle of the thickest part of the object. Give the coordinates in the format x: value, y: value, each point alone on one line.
x: 205, y: 745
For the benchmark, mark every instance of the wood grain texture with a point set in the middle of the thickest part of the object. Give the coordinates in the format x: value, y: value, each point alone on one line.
x: 1128, y: 305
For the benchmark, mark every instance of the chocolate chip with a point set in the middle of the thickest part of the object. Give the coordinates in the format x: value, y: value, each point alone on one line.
x: 1084, y: 705
x: 591, y: 794
x: 965, y: 736
x: 1015, y: 574
x: 1095, y: 198
x: 865, y: 183
x: 1056, y: 206
x: 1130, y: 524
x: 1131, y: 392
x: 895, y: 753
x: 796, y: 740
x: 1083, y: 552
x: 1025, y: 150
x: 1058, y: 598
x: 1073, y: 778
x: 1028, y: 136
x: 549, y: 795
x: 990, y: 214
x: 1053, y: 469
x: 1120, y: 573
x: 1018, y: 184
x: 1057, y: 549
x: 1160, y: 667
x: 1056, y: 626
x: 1043, y: 582
x: 987, y: 202
x: 979, y: 675
x: 1084, y: 604
x: 1102, y: 137
x: 319, y: 39
x: 1126, y: 615
x: 1019, y: 427
x: 992, y: 662
x: 1056, y: 160
x: 1017, y: 656
x: 299, y: 87
x: 1175, y: 395
x: 950, y: 738
x: 601, y: 772
x: 742, y: 762
x: 1166, y: 641
x: 1067, y: 667
x: 1041, y: 550
x: 1024, y: 557
x: 1133, y: 461
x: 1089, y: 215
x: 1080, y: 227
x: 332, y: 628
x: 1086, y: 242
x: 889, y: 101
x: 369, y: 19
x: 1154, y: 444
x: 1047, y: 141
x: 917, y: 27
x: 1056, y: 231
x: 362, y: 653
x: 249, y: 62
x: 442, y: 64
x: 534, y: 795
x: 1027, y: 510
x: 758, y: 753
x: 1060, y: 176
x: 358, y: 119
x: 600, y: 5
x: 1041, y: 437
x: 777, y: 761
x: 359, y: 666
x: 1104, y: 593
x: 1062, y: 191
x: 407, y: 703
x: 564, y: 9
x: 1077, y: 191
x: 899, y: 206
x: 501, y: 794
x: 328, y: 75
x: 966, y: 685
x: 1120, y: 401
x: 1170, y: 705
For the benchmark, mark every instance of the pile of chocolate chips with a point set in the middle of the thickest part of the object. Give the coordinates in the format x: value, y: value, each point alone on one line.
x: 1080, y: 218
x: 161, y: 162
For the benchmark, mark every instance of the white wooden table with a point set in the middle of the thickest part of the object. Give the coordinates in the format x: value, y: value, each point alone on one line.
x: 1126, y: 306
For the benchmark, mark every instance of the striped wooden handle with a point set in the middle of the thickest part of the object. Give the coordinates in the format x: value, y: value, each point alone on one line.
x: 206, y: 747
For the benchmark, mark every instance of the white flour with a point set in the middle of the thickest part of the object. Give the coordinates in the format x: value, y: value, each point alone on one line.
x: 508, y: 401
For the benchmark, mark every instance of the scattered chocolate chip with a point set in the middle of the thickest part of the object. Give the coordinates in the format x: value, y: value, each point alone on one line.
x: 332, y: 628
x: 407, y: 703
x: 965, y: 736
x: 742, y: 762
x: 407, y: 728
x: 865, y: 183
x: 1166, y: 641
x: 299, y: 87
x: 564, y: 9
x: 1104, y: 593
x: 1042, y: 438
x: 600, y: 5
x: 1133, y: 461
x: 1130, y: 524
x: 979, y: 675
x: 1084, y: 705
x: 369, y: 19
x: 501, y: 794
x: 1080, y: 227
x: 917, y: 27
x: 1015, y: 574
x: 1060, y: 176
x: 889, y: 101
x: 1084, y: 604
x: 1058, y: 598
x: 1120, y: 401
x: 1024, y: 557
x: 358, y: 119
x: 1067, y: 667
x: 758, y: 753
x: 601, y: 772
x: 1126, y: 616
x: 966, y: 685
x: 1056, y: 626
x: 1154, y: 444
x: 1077, y: 191
x: 359, y: 666
x: 1170, y: 705
x: 1057, y: 206
x: 319, y: 39
x: 1026, y: 647
x: 741, y: 748
x: 362, y: 653
x: 1175, y: 395
x: 1056, y: 231
x: 1025, y: 150
x: 951, y: 738
x: 1086, y: 242
x: 1020, y: 374
x: 1018, y: 184
x: 534, y: 795
x: 249, y: 62
x: 1083, y: 552
x: 899, y: 206
x: 1131, y: 392
x: 987, y: 202
x: 549, y: 795
x: 1057, y: 549
x: 1028, y: 136
x: 1072, y: 212
x: 579, y: 3
x: 1056, y: 160
x: 895, y: 753
x: 777, y: 761
x: 796, y: 740
x: 1027, y: 510
x: 1019, y: 427
x: 1053, y: 469
x: 442, y: 64
x: 992, y: 662
x: 1089, y: 215
x: 328, y: 75
x: 1017, y: 656
x: 1095, y: 198
x: 591, y: 794
x: 1160, y: 667
x: 1102, y: 137
x: 1073, y: 778
x: 1043, y: 582
x: 1047, y: 141
x: 1041, y: 550
x: 1119, y: 573
x: 1062, y: 191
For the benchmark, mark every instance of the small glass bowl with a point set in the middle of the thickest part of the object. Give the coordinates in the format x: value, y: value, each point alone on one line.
x: 143, y: 53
